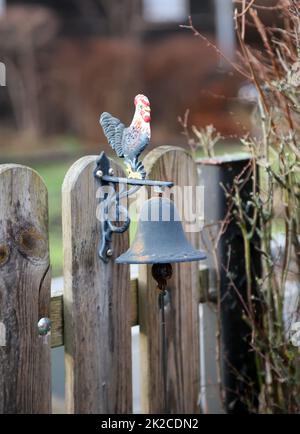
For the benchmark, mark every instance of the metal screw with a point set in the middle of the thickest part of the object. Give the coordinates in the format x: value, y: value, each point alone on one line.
x: 109, y: 253
x: 44, y: 326
x: 99, y: 173
x: 111, y: 172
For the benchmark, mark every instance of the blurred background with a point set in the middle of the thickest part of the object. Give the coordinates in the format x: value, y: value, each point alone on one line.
x: 67, y: 61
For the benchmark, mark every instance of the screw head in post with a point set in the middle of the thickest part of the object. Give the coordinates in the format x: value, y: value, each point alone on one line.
x: 109, y: 253
x: 44, y: 326
x: 111, y: 171
x: 99, y: 173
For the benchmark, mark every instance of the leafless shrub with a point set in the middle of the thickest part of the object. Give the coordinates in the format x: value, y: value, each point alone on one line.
x: 273, y: 68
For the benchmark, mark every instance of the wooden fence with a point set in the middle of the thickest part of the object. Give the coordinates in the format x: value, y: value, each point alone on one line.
x: 93, y: 315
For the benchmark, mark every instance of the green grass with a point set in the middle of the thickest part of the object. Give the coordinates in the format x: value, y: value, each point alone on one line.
x: 224, y: 148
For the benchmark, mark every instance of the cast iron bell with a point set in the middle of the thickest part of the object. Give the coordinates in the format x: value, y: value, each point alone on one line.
x: 160, y: 238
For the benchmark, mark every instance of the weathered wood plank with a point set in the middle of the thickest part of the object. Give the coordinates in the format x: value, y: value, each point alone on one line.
x: 57, y: 319
x: 96, y: 303
x: 24, y: 291
x: 182, y: 322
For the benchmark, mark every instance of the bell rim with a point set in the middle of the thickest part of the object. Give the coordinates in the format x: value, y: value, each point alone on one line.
x: 199, y: 256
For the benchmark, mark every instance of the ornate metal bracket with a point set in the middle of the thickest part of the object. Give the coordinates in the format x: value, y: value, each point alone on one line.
x: 105, y: 175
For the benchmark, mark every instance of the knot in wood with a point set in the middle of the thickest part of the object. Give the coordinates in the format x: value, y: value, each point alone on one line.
x: 4, y: 254
x: 32, y: 243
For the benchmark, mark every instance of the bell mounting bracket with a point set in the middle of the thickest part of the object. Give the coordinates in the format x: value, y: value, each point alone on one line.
x: 104, y: 174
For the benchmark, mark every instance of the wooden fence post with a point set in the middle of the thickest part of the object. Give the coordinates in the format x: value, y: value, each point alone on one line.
x: 227, y: 270
x: 24, y: 291
x: 182, y: 321
x: 96, y: 303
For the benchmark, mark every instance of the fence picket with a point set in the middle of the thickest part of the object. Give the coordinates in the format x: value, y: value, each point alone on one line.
x: 25, y: 385
x: 97, y: 329
x: 182, y: 321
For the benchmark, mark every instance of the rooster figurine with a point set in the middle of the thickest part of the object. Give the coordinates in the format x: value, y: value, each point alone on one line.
x: 130, y: 142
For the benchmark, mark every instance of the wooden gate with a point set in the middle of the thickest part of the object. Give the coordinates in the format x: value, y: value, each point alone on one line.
x: 93, y: 315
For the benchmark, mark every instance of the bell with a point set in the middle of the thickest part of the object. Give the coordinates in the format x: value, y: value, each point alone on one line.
x: 160, y: 238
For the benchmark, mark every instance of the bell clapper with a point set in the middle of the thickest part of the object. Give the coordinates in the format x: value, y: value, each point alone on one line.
x: 162, y: 273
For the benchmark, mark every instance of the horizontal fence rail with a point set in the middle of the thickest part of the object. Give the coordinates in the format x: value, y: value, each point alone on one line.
x: 56, y: 308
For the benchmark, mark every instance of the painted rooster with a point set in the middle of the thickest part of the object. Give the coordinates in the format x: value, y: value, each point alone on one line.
x: 130, y: 142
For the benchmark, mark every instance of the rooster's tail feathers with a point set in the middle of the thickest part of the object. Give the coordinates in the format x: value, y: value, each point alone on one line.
x: 113, y: 130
